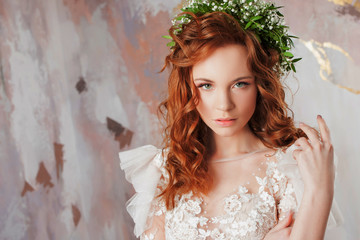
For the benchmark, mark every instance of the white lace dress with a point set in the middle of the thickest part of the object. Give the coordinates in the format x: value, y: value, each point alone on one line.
x: 240, y: 214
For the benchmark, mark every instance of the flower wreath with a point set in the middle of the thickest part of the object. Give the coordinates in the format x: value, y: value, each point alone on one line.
x: 263, y: 18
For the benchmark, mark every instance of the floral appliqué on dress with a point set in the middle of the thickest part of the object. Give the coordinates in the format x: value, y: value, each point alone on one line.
x: 244, y: 215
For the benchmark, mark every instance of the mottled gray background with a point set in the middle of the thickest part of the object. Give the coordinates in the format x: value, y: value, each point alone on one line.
x: 79, y: 83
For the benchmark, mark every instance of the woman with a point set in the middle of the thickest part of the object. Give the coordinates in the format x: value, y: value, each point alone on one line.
x: 234, y: 166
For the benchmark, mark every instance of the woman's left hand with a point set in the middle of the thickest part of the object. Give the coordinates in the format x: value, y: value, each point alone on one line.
x: 316, y: 158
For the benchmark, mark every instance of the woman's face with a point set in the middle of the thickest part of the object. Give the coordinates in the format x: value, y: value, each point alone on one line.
x: 227, y: 90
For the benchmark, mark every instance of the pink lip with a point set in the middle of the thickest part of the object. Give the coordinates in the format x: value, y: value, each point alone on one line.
x: 225, y: 122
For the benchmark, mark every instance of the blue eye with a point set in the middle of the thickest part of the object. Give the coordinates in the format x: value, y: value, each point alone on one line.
x: 239, y: 84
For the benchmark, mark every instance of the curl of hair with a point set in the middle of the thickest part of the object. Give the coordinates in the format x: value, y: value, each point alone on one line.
x: 185, y: 134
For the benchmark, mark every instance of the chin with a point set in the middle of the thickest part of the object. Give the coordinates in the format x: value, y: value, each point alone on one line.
x: 225, y: 132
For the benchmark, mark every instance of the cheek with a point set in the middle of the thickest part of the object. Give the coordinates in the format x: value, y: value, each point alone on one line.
x: 203, y: 107
x: 253, y: 102
x: 206, y: 105
x: 246, y: 104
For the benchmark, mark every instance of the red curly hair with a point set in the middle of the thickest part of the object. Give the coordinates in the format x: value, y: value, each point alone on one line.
x: 185, y: 134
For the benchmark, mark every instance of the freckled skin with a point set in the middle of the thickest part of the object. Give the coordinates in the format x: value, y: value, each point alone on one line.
x: 225, y: 96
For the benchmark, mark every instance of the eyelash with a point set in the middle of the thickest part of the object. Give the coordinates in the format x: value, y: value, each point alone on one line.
x: 245, y: 83
x: 203, y: 84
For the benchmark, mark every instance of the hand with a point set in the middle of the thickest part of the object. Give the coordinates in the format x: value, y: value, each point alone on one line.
x: 282, y: 230
x: 316, y: 158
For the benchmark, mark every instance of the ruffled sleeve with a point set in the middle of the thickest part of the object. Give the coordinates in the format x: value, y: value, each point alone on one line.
x: 143, y: 169
x: 292, y: 189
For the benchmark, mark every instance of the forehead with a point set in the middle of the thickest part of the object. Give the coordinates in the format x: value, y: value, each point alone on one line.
x: 225, y: 62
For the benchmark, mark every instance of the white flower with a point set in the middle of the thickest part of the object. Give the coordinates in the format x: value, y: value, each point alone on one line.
x: 252, y: 226
x: 179, y: 216
x: 193, y: 206
x: 235, y: 225
x: 268, y: 199
x: 184, y: 231
x: 254, y: 214
x: 193, y: 222
x: 232, y: 204
x: 243, y: 190
x: 215, y: 220
x: 243, y: 229
x: 215, y: 234
x: 204, y: 233
x: 203, y: 221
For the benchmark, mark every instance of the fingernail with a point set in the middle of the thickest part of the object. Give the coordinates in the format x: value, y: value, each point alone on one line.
x: 319, y: 116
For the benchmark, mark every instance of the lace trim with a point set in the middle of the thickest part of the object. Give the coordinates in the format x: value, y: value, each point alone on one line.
x: 245, y: 215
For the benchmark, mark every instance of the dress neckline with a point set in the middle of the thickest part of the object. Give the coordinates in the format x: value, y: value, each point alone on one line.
x: 245, y: 155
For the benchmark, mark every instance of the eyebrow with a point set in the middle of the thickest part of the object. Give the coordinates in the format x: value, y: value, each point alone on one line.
x: 210, y: 81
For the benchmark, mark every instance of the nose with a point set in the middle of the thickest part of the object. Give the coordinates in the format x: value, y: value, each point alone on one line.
x: 224, y: 101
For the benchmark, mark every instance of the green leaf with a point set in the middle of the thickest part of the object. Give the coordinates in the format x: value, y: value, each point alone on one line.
x: 285, y: 48
x: 288, y: 54
x: 296, y: 60
x: 279, y: 14
x: 293, y: 67
x: 291, y: 42
x: 166, y: 37
x: 248, y: 25
x: 256, y: 18
x: 291, y: 36
x: 272, y: 7
x: 170, y: 44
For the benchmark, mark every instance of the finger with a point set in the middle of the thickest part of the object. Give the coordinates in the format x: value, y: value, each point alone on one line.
x: 303, y: 143
x: 286, y: 233
x: 283, y: 223
x: 310, y: 132
x: 324, y: 130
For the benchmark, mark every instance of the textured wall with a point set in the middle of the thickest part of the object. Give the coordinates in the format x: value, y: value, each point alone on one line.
x: 327, y: 83
x: 79, y: 82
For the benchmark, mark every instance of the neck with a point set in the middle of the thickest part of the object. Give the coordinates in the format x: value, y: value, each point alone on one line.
x: 241, y: 143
